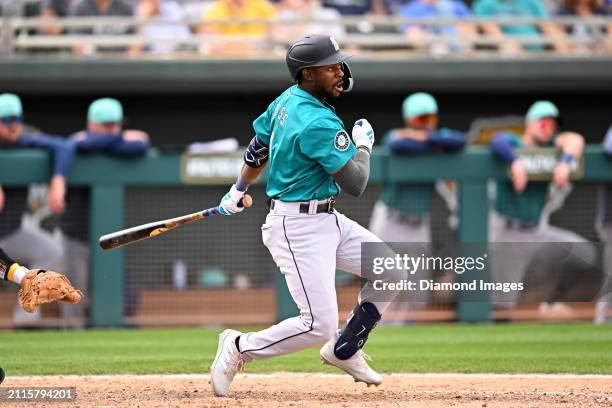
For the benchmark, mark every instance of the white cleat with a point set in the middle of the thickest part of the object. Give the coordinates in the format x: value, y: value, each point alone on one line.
x: 226, y: 364
x: 356, y: 366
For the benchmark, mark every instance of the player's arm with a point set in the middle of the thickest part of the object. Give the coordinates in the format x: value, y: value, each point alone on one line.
x: 447, y: 139
x: 503, y: 148
x: 63, y: 151
x: 255, y: 160
x: 353, y: 176
x: 572, y: 146
x: 131, y: 143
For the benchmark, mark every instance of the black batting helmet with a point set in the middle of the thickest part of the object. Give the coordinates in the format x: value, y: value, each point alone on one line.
x: 318, y: 51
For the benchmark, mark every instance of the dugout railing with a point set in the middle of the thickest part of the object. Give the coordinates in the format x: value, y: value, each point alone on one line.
x: 109, y: 178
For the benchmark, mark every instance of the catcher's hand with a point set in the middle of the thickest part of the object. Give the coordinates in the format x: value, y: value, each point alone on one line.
x: 41, y: 286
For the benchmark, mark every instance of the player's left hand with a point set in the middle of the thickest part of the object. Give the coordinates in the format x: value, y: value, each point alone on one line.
x: 561, y: 174
x: 363, y: 134
x: 230, y: 203
x: 41, y: 286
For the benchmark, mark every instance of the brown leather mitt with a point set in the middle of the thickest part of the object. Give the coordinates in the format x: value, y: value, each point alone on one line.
x: 41, y: 286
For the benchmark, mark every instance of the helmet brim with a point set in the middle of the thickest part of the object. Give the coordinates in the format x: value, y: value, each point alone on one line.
x: 336, y: 58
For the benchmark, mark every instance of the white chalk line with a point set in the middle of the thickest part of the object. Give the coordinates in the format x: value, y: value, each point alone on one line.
x: 293, y: 375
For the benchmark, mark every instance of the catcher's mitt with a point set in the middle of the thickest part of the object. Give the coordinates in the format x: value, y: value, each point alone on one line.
x: 41, y: 286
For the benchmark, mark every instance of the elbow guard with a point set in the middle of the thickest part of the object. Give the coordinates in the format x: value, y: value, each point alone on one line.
x: 256, y: 154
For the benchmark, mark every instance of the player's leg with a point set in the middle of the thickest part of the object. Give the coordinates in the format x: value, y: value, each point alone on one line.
x: 303, y: 247
x: 345, y: 349
x: 575, y: 254
x: 511, y: 251
x: 389, y: 225
x: 604, y: 305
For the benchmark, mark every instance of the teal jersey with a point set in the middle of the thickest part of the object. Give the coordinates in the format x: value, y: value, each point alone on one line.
x: 412, y: 199
x: 307, y: 142
x: 526, y: 206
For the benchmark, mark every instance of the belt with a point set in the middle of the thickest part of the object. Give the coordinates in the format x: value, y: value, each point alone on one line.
x: 310, y: 207
x: 520, y: 225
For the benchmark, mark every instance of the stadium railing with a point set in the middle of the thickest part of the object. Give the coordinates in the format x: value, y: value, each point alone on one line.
x: 109, y: 178
x: 367, y: 35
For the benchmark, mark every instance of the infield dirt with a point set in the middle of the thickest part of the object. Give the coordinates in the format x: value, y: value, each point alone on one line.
x: 312, y: 390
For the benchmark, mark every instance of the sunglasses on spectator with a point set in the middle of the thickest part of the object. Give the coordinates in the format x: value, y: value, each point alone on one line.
x: 7, y: 120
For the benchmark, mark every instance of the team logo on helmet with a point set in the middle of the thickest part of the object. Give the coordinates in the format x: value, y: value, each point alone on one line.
x: 342, y: 141
x: 334, y: 43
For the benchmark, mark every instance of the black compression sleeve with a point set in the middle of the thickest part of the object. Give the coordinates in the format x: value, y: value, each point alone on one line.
x: 5, y: 263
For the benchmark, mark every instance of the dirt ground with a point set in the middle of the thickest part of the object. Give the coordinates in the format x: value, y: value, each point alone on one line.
x: 315, y: 390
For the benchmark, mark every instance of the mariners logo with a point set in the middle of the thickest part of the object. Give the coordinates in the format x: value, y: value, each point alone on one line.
x: 341, y: 141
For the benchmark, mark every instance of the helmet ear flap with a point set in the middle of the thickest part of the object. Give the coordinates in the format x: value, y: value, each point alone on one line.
x: 347, y: 81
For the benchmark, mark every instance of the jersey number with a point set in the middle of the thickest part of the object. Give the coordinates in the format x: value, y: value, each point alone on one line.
x: 282, y: 116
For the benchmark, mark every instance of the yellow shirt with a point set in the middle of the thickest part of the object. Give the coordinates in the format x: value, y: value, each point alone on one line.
x: 253, y: 9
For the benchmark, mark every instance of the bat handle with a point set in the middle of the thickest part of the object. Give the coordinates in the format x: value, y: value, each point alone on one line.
x: 245, y: 201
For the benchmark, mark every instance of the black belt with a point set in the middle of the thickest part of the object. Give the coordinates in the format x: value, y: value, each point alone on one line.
x: 327, y: 207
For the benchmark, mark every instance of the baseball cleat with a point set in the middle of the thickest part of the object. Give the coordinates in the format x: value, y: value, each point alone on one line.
x: 226, y: 364
x: 356, y: 366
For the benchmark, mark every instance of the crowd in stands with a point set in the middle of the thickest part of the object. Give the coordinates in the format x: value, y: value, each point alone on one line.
x: 176, y: 20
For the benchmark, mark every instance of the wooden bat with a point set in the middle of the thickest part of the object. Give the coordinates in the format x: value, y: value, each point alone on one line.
x: 153, y: 229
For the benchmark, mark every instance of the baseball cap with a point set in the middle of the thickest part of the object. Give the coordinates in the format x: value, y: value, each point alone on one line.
x: 10, y: 105
x: 542, y: 109
x: 418, y: 104
x: 105, y: 110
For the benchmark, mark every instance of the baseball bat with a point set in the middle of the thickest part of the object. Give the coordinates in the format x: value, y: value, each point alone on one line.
x: 153, y: 229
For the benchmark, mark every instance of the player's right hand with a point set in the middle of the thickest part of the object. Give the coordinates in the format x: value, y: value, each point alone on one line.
x: 519, y: 176
x: 363, y: 134
x: 230, y: 203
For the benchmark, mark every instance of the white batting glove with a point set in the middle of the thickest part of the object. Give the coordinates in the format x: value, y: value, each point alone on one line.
x: 229, y: 202
x: 363, y: 134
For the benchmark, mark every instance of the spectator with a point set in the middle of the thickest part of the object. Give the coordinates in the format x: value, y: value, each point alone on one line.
x: 168, y: 11
x: 236, y: 9
x: 15, y: 236
x: 584, y: 8
x: 357, y: 7
x: 519, y: 204
x: 104, y: 133
x: 447, y: 9
x: 102, y: 8
x: 518, y: 8
x: 402, y: 212
x: 604, y: 230
x: 327, y: 21
x: 52, y: 9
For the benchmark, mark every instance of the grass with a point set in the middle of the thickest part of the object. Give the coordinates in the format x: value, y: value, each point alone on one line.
x: 513, y: 348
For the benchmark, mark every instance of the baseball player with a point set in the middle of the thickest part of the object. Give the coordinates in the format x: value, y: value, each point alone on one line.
x: 38, y: 286
x: 311, y: 158
x: 519, y: 204
x: 105, y: 133
x: 402, y: 212
x: 12, y: 135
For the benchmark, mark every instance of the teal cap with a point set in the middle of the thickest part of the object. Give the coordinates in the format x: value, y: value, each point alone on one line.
x: 418, y: 104
x: 105, y: 110
x: 10, y: 105
x: 541, y: 109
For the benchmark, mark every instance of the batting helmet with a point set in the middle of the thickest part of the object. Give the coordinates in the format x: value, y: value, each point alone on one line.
x: 318, y: 51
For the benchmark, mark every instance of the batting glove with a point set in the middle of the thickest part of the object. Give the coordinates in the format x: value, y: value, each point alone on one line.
x: 363, y: 134
x: 229, y: 202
